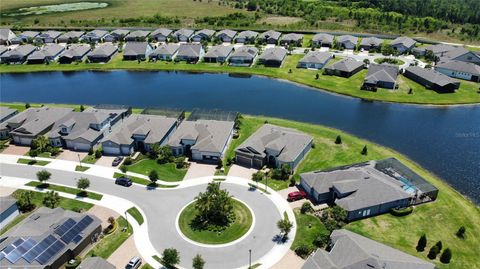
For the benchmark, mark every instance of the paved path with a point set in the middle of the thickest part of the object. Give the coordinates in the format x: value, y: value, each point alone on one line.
x: 160, y: 208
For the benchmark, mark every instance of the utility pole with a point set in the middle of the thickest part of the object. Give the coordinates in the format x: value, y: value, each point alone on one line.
x: 249, y: 259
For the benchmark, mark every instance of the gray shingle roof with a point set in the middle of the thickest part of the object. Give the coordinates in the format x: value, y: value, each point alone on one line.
x: 460, y: 66
x: 3, y: 49
x: 226, y: 32
x: 274, y: 54
x: 104, y: 50
x: 455, y: 53
x: 245, y: 52
x: 49, y: 34
x: 353, y: 251
x: 161, y: 31
x: 324, y: 38
x: 347, y: 38
x: 292, y: 37
x: 403, y: 40
x: 138, y: 34
x: 371, y: 41
x: 5, y: 112
x: 71, y: 35
x: 289, y: 142
x: 219, y: 51
x: 76, y: 50
x: 29, y: 34
x: 166, y: 49
x: 95, y: 263
x: 120, y: 32
x: 382, y: 72
x: 205, y: 32
x: 35, y: 120
x: 97, y: 33
x: 48, y: 50
x: 440, y: 48
x: 135, y: 48
x: 247, y: 34
x: 431, y: 75
x: 316, y: 57
x: 270, y: 34
x: 183, y: 32
x: 22, y: 51
x: 189, y: 50
x: 6, y: 203
x: 6, y: 34
x: 345, y: 65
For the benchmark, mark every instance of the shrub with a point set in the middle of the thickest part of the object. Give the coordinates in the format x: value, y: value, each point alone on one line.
x: 123, y: 168
x: 258, y: 176
x: 439, y: 245
x: 98, y: 153
x: 401, y: 211
x: 51, y: 199
x: 365, y: 150
x: 446, y: 256
x: 432, y: 254
x: 153, y: 176
x: 54, y: 151
x: 338, y: 140
x: 25, y: 201
x: 170, y: 257
x: 422, y: 243
x: 306, y: 208
x: 90, y: 151
x: 322, y: 240
x: 128, y: 161
x: 293, y: 182
x: 461, y: 232
x: 303, y: 251
x: 180, y: 162
x: 198, y: 262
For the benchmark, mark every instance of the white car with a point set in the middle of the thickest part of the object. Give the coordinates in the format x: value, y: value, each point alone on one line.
x: 134, y: 263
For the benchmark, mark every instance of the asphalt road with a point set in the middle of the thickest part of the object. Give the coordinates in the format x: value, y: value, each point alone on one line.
x: 161, y: 207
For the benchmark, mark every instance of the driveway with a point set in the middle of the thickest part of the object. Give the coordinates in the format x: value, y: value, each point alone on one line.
x: 69, y: 155
x: 291, y: 260
x: 103, y: 214
x: 106, y: 161
x: 240, y: 171
x: 197, y: 170
x: 124, y: 253
x: 16, y: 150
x: 284, y: 193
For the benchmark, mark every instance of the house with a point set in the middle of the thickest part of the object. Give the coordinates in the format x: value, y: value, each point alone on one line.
x: 18, y: 55
x: 403, y: 44
x: 314, y: 60
x: 94, y: 36
x: 74, y: 53
x: 348, y: 250
x: 202, y: 35
x: 243, y: 56
x: 270, y: 37
x: 369, y: 188
x: 381, y: 76
x: 292, y: 39
x: 161, y: 34
x: 25, y: 37
x: 6, y: 35
x: 203, y: 140
x: 439, y: 49
x: 48, y: 238
x: 102, y: 53
x: 226, y: 35
x: 459, y: 69
x: 6, y: 113
x: 431, y: 79
x: 48, y: 53
x: 344, y: 68
x: 218, y: 54
x: 246, y: 37
x: 459, y: 54
x: 3, y: 49
x: 322, y: 40
x: 138, y: 35
x: 165, y: 52
x: 273, y: 57
x: 138, y: 133
x: 8, y: 210
x: 273, y: 146
x: 70, y: 37
x: 137, y: 51
x: 81, y: 131
x: 348, y: 42
x: 48, y: 36
x: 371, y: 43
x: 95, y: 263
x: 116, y: 35
x: 182, y: 35
x: 191, y: 53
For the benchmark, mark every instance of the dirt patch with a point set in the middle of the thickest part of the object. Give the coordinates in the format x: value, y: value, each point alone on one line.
x: 280, y: 20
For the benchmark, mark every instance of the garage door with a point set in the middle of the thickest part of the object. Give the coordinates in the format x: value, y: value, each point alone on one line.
x: 243, y: 161
x: 81, y: 146
x: 25, y: 141
x: 111, y: 150
x: 197, y: 156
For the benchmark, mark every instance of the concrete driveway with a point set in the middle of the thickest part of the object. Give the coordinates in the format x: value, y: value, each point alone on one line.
x: 69, y: 155
x: 240, y: 171
x: 106, y: 161
x: 197, y: 170
x: 124, y: 253
x: 16, y: 150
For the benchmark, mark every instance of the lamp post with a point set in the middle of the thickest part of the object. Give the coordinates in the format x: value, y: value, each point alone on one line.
x: 126, y: 219
x: 249, y: 259
x: 79, y: 161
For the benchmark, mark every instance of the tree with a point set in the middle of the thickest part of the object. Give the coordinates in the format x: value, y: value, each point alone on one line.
x: 306, y: 208
x: 251, y: 5
x: 422, y: 243
x: 170, y: 257
x: 446, y: 256
x: 27, y: 105
x: 365, y: 150
x: 40, y: 143
x: 82, y: 108
x: 198, y: 262
x: 461, y: 232
x: 439, y: 245
x: 215, y: 206
x: 83, y: 184
x: 33, y: 153
x: 123, y: 168
x: 338, y: 140
x: 153, y: 176
x: 164, y: 155
x: 51, y: 199
x: 25, y: 201
x: 285, y: 226
x: 432, y: 254
x: 98, y: 153
x: 43, y: 176
x: 303, y: 250
x: 258, y: 176
x: 322, y: 240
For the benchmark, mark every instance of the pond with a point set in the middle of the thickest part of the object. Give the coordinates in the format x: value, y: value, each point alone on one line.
x: 46, y: 9
x: 444, y: 140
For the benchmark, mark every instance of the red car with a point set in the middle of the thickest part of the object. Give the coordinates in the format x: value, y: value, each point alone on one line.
x: 296, y: 195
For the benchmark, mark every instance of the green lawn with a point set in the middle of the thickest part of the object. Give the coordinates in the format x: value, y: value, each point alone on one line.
x: 90, y: 159
x: 309, y: 228
x: 236, y: 230
x: 166, y: 172
x: 82, y: 168
x: 32, y: 162
x: 91, y: 195
x: 105, y: 247
x: 65, y: 203
x: 136, y: 215
x: 146, y: 266
x: 21, y: 106
x: 394, y: 61
x: 142, y: 181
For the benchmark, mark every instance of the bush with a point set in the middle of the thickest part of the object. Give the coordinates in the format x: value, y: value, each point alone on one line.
x: 170, y: 257
x: 98, y: 153
x: 306, y: 208
x: 365, y: 150
x: 432, y: 254
x: 128, y: 161
x: 461, y: 232
x: 401, y: 211
x: 338, y: 140
x: 303, y: 251
x: 25, y: 201
x: 180, y: 162
x: 90, y: 151
x: 153, y: 176
x: 439, y: 246
x: 446, y: 256
x: 322, y: 240
x: 422, y: 243
x: 54, y: 151
x: 293, y: 182
x: 123, y: 168
x: 258, y: 176
x: 51, y: 199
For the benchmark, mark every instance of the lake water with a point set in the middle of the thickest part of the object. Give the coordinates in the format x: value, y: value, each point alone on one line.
x: 444, y: 140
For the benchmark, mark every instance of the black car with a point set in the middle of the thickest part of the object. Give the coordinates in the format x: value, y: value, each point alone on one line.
x: 117, y: 161
x: 124, y: 181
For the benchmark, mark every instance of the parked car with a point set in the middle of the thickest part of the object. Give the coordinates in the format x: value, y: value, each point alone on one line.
x: 124, y: 181
x: 117, y: 161
x: 296, y: 195
x: 134, y: 263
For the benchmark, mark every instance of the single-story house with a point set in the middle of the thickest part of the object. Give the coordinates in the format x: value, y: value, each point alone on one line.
x: 459, y: 69
x: 273, y: 146
x: 49, y: 36
x: 138, y: 35
x: 348, y: 250
x: 161, y: 34
x: 165, y: 52
x: 347, y: 41
x: 102, y: 53
x: 432, y: 79
x: 270, y: 37
x: 203, y: 140
x: 246, y: 37
x: 94, y: 36
x: 344, y: 68
x: 3, y: 49
x: 292, y: 39
x: 18, y: 54
x: 25, y: 37
x: 191, y: 53
x: 6, y: 35
x: 403, y: 44
x: 314, y: 60
x: 368, y: 189
x: 116, y: 35
x: 218, y: 54
x: 8, y: 210
x: 139, y: 132
x: 49, y: 52
x: 70, y: 37
x: 243, y: 56
x: 137, y: 51
x: 369, y: 43
x: 273, y: 57
x: 381, y: 76
x: 6, y: 113
x: 202, y: 35
x: 226, y: 35
x: 96, y: 263
x: 322, y: 40
x: 182, y: 35
x: 74, y: 52
x: 30, y: 123
x: 459, y: 54
x: 439, y: 49
x: 48, y: 238
x: 81, y: 131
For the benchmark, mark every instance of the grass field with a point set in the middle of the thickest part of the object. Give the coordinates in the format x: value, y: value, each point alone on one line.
x: 136, y: 215
x: 166, y: 172
x: 91, y: 195
x: 65, y: 203
x: 32, y: 162
x: 309, y: 228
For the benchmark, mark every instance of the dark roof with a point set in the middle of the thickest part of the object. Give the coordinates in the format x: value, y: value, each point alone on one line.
x: 97, y: 33
x: 345, y: 65
x: 219, y: 51
x: 274, y: 54
x: 460, y: 66
x: 323, y: 38
x: 72, y: 34
x: 403, y: 40
x: 135, y: 48
x: 382, y: 72
x: 316, y: 57
x: 431, y: 75
x: 270, y: 34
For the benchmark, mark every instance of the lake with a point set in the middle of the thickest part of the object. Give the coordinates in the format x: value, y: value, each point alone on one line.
x: 444, y: 140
